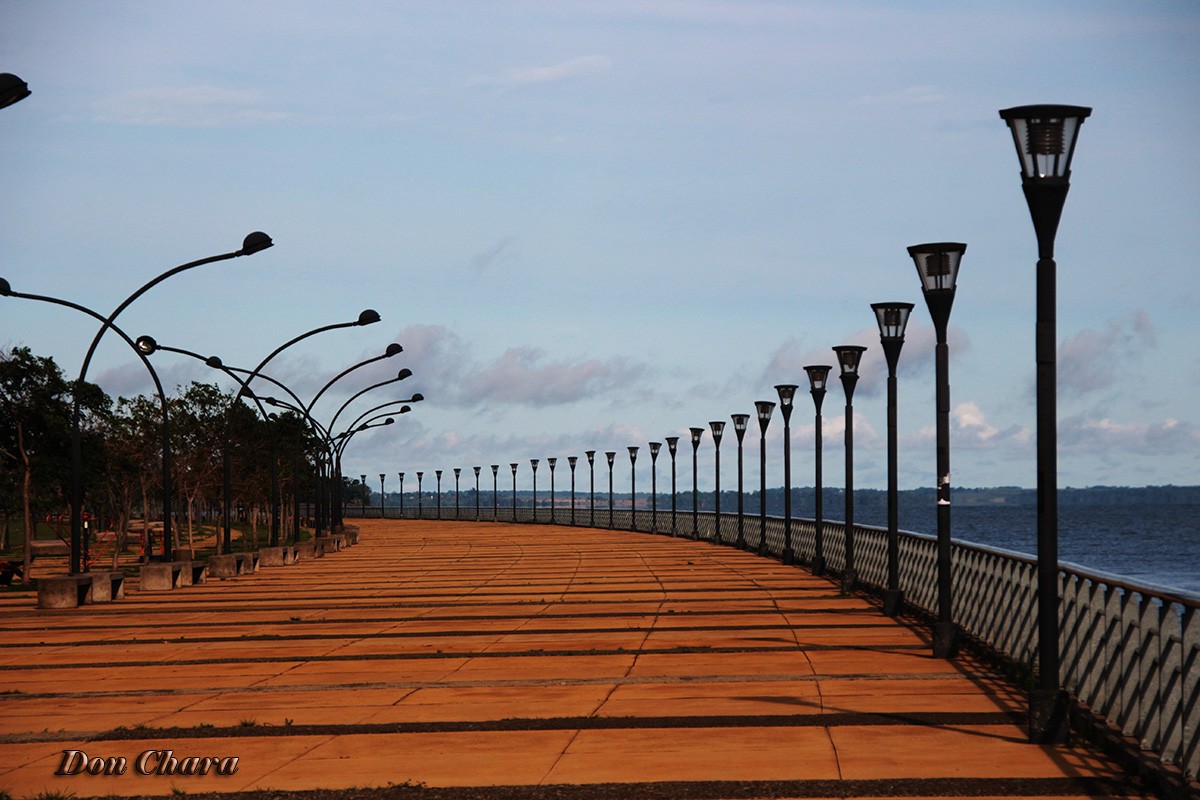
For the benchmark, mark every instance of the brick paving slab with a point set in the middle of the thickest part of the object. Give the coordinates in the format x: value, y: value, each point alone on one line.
x: 455, y: 661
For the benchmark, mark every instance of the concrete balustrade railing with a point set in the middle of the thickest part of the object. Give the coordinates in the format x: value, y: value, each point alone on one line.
x: 1130, y: 653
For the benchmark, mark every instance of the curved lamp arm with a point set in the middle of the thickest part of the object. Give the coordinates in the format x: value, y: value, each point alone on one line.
x: 401, y: 375
x: 392, y: 349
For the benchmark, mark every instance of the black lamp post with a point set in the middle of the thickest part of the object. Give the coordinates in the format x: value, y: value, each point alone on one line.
x: 420, y: 497
x: 476, y: 469
x: 571, y: 462
x: 495, y: 493
x: 892, y: 319
x: 591, y: 457
x: 717, y: 427
x: 362, y: 479
x: 787, y: 396
x: 457, y: 472
x: 533, y: 462
x: 740, y: 421
x: 381, y: 476
x: 513, y: 466
x: 401, y: 475
x: 611, y: 456
x: 937, y: 265
x: 763, y: 408
x: 818, y: 377
x: 438, y: 473
x: 633, y: 487
x: 654, y: 448
x: 552, y: 462
x: 1045, y: 137
x: 12, y: 89
x: 672, y: 448
x: 849, y: 356
x: 697, y: 435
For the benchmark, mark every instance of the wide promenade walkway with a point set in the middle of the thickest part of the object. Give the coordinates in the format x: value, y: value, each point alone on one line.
x: 461, y: 660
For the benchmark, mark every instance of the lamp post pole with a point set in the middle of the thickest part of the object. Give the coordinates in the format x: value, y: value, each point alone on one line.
x: 937, y: 265
x: 571, y: 462
x: 787, y: 395
x: 438, y: 473
x: 553, y: 462
x: 697, y: 435
x: 401, y: 475
x: 740, y: 421
x: 381, y: 477
x: 763, y: 408
x: 513, y: 467
x: 892, y: 319
x: 457, y: 472
x: 533, y: 462
x: 818, y: 377
x: 672, y: 447
x: 591, y: 457
x: 476, y: 469
x: 1045, y: 138
x: 654, y: 448
x: 420, y: 497
x: 849, y: 356
x: 633, y: 487
x: 495, y: 493
x: 717, y: 427
x: 365, y: 491
x: 611, y: 456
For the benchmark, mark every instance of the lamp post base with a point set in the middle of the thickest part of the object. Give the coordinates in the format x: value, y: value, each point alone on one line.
x: 945, y: 640
x: 893, y: 603
x: 788, y: 558
x: 1049, y: 716
x: 818, y: 565
x: 849, y: 579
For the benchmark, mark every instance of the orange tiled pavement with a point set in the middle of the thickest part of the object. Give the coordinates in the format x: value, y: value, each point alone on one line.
x: 461, y: 655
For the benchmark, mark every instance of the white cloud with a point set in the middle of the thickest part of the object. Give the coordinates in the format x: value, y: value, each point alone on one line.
x: 553, y: 73
x: 1092, y: 360
x: 186, y: 107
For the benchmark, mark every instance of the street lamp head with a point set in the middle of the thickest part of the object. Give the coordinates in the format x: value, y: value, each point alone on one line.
x: 591, y: 456
x: 12, y: 89
x: 787, y: 395
x: 405, y: 409
x: 215, y: 363
x: 381, y: 476
x: 416, y: 398
x: 393, y: 349
x: 764, y: 408
x: 420, y: 474
x: 514, y: 469
x: 368, y: 317
x: 697, y: 434
x: 892, y: 319
x: 632, y: 453
x: 457, y: 471
x: 818, y: 377
x: 552, y: 462
x: 533, y: 462
x: 5, y: 288
x: 438, y: 473
x: 389, y: 420
x: 476, y: 471
x: 672, y: 444
x: 654, y: 448
x: 1045, y: 137
x: 611, y: 455
x: 495, y: 469
x: 254, y: 243
x: 572, y: 460
x: 401, y: 474
x: 404, y: 373
x: 146, y: 345
x: 849, y: 356
x: 937, y: 264
x: 362, y: 478
x: 717, y: 426
x: 740, y: 421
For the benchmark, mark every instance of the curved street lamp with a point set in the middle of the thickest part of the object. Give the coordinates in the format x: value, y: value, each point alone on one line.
x: 717, y: 428
x: 763, y: 408
x: 12, y: 89
x: 849, y: 356
x: 1045, y: 138
x: 818, y: 378
x: 892, y: 319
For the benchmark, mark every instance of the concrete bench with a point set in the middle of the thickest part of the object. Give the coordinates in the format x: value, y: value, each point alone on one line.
x: 48, y: 547
x: 278, y: 556
x: 72, y: 591
x: 309, y: 550
x: 331, y: 544
x: 231, y: 565
x: 350, y: 535
x: 163, y: 576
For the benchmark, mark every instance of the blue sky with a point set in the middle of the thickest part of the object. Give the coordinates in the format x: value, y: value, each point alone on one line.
x: 595, y: 224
